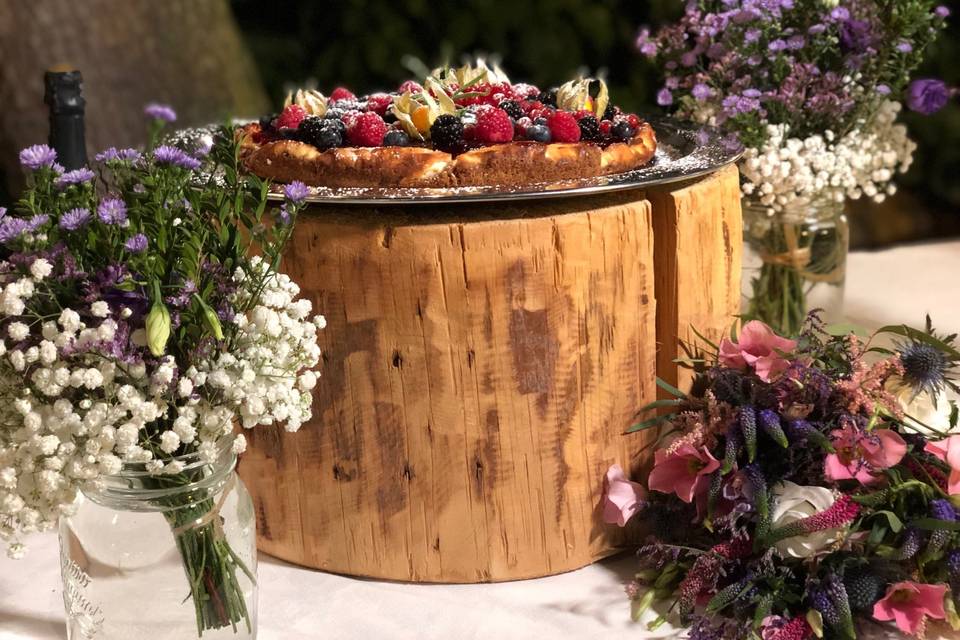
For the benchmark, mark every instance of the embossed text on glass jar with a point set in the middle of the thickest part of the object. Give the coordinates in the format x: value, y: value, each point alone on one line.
x: 794, y: 261
x: 162, y: 556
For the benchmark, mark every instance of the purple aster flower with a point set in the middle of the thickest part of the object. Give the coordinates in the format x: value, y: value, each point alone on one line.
x: 796, y: 42
x: 840, y: 14
x: 904, y: 47
x: 3, y: 212
x: 751, y: 35
x: 942, y: 11
x: 77, y: 176
x: 701, y: 92
x: 855, y: 36
x: 174, y: 157
x: 136, y: 244
x: 160, y: 112
x: 296, y: 192
x: 74, y: 219
x: 883, y: 89
x: 927, y: 95
x: 645, y: 44
x: 283, y: 215
x: 37, y: 156
x: 664, y: 97
x: 37, y: 221
x: 817, y: 29
x: 112, y: 211
x: 125, y: 155
x: 12, y: 228
x: 778, y: 45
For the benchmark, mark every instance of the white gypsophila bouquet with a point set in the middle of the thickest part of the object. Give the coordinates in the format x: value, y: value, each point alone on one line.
x: 136, y: 328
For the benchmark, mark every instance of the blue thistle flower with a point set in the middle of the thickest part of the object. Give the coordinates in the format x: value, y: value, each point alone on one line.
x: 926, y: 368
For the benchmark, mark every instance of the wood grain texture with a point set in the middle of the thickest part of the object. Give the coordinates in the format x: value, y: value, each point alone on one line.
x: 698, y: 251
x: 480, y: 367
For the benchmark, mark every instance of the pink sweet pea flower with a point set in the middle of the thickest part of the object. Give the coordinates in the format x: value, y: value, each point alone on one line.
x: 859, y: 455
x: 949, y: 451
x: 683, y: 472
x: 621, y: 497
x: 758, y: 347
x: 908, y: 602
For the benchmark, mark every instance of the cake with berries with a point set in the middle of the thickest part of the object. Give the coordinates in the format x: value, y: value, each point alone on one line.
x: 462, y: 127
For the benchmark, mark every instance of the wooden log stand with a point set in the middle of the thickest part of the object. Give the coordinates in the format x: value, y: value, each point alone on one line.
x: 481, y: 364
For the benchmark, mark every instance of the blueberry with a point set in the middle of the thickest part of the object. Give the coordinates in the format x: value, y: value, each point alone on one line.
x: 540, y: 121
x: 538, y: 133
x: 396, y: 138
x: 622, y: 130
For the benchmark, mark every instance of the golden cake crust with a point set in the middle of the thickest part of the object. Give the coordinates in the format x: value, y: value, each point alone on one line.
x: 510, y: 164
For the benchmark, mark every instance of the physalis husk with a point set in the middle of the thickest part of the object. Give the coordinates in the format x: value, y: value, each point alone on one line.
x: 312, y: 101
x: 575, y: 96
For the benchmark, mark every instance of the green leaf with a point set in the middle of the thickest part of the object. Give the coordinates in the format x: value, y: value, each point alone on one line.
x: 841, y: 329
x: 920, y: 336
x: 896, y: 525
x: 649, y: 424
x: 659, y: 404
x: 669, y: 388
x: 932, y: 524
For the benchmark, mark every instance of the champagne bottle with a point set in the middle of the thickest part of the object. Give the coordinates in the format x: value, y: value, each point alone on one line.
x: 64, y: 96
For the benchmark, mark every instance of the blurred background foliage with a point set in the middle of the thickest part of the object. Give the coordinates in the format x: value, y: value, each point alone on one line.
x: 363, y: 44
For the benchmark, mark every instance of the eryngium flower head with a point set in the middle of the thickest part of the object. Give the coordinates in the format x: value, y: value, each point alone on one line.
x: 925, y: 368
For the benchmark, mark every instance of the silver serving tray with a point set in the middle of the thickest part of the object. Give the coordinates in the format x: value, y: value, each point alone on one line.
x: 684, y: 152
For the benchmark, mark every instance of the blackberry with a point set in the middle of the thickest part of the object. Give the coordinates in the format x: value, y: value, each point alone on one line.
x: 329, y: 137
x: 609, y: 112
x: 396, y: 138
x: 623, y: 131
x: 447, y: 134
x: 309, y: 129
x: 548, y: 97
x: 513, y: 109
x: 589, y: 128
x: 863, y: 589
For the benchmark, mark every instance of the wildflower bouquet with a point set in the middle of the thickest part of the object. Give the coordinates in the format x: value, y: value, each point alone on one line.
x: 804, y: 487
x: 809, y: 89
x: 136, y: 328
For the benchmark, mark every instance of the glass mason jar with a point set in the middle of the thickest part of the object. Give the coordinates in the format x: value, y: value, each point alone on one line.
x: 162, y: 556
x: 794, y: 261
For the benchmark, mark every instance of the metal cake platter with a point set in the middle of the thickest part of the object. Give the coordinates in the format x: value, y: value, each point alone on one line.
x: 684, y: 152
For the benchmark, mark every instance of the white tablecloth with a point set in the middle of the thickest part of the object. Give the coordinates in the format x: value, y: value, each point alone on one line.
x: 893, y: 286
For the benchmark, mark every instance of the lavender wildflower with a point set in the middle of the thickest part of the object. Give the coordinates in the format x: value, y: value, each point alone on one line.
x: 38, y: 156
x: 160, y: 112
x: 112, y: 211
x: 77, y: 176
x: 74, y: 219
x: 174, y: 157
x: 136, y: 244
x: 296, y: 192
x: 664, y: 97
x: 114, y: 154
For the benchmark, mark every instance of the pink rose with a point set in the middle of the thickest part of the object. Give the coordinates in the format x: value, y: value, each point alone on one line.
x: 758, y: 347
x: 860, y: 454
x: 621, y: 497
x: 949, y: 451
x: 684, y: 472
x: 907, y: 603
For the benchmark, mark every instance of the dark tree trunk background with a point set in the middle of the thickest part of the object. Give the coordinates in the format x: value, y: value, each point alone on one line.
x: 186, y: 53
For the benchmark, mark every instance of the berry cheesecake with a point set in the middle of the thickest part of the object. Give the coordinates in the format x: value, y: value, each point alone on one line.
x: 461, y: 127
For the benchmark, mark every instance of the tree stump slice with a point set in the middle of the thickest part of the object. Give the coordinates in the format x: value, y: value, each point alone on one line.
x: 481, y: 364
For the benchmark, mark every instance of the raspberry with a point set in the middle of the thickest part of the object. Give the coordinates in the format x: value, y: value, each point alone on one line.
x: 494, y: 126
x: 291, y: 117
x: 633, y: 120
x: 379, y: 102
x: 342, y: 93
x: 563, y: 127
x: 367, y: 130
x: 582, y: 113
x: 410, y: 85
x: 605, y: 127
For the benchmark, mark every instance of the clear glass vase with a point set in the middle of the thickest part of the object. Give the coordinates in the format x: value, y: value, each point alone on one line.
x: 162, y: 556
x: 794, y: 261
